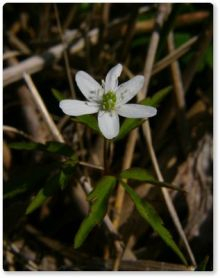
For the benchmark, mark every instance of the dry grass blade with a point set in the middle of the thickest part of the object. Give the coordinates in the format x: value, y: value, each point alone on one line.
x: 179, y: 93
x: 40, y: 104
x: 83, y: 261
x: 202, y: 44
x: 65, y: 55
x: 37, y: 63
x: 174, y: 55
x: 163, y: 11
x: 17, y: 131
x: 168, y: 200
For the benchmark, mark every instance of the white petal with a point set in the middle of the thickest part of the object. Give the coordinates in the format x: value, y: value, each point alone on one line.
x: 76, y: 107
x: 136, y: 111
x: 129, y: 89
x: 108, y: 124
x: 111, y: 80
x: 90, y: 88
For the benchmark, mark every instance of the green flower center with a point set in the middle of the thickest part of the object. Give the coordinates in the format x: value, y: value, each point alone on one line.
x: 109, y: 101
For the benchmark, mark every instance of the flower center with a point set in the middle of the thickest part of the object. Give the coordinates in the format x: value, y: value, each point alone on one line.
x: 109, y: 101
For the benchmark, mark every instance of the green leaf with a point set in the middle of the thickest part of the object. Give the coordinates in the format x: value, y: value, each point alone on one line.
x: 181, y: 38
x: 157, y: 98
x: 57, y: 94
x: 209, y: 56
x: 53, y: 184
x: 58, y: 148
x: 151, y: 216
x: 88, y: 120
x: 141, y: 174
x: 22, y: 181
x: 27, y: 146
x: 85, y: 6
x: 51, y: 147
x: 99, y: 198
x: 203, y: 265
x: 127, y: 126
x: 130, y: 124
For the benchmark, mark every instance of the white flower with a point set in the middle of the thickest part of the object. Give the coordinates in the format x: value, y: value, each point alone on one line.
x: 109, y: 100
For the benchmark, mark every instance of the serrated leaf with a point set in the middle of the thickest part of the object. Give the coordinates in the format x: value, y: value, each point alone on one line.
x: 130, y: 124
x: 99, y: 198
x: 53, y: 184
x: 88, y: 120
x: 141, y: 174
x: 51, y: 146
x: 151, y: 216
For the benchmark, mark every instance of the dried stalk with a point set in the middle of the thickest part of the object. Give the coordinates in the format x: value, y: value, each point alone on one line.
x: 163, y: 11
x: 37, y: 63
x: 147, y: 133
x: 18, y: 43
x: 129, y: 152
x: 56, y: 134
x: 89, y: 165
x: 65, y: 55
x: 166, y: 195
x: 80, y: 259
x: 12, y: 129
x: 174, y: 55
x: 40, y: 104
x: 182, y: 20
x: 202, y: 44
x: 180, y: 99
x: 126, y: 163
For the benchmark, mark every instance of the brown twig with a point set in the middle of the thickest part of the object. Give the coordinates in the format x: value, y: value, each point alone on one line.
x: 126, y: 163
x: 129, y: 34
x: 179, y: 98
x: 182, y: 20
x: 163, y: 11
x: 65, y: 55
x: 12, y: 129
x: 37, y: 63
x: 89, y: 165
x: 80, y: 259
x: 202, y: 44
x: 168, y: 200
x: 129, y: 152
x: 40, y: 104
x: 70, y: 17
x: 18, y: 43
x: 174, y: 55
x: 166, y: 195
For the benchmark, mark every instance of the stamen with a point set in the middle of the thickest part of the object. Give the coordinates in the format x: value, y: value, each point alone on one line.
x: 109, y: 101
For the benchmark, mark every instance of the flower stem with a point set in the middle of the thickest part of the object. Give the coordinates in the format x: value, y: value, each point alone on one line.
x: 106, y: 156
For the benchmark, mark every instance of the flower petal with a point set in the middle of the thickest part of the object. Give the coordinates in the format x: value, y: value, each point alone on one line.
x: 76, y: 107
x: 108, y: 124
x: 136, y: 111
x: 111, y: 80
x: 129, y: 89
x: 90, y: 88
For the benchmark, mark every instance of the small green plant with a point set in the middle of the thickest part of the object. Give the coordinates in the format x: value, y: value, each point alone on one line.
x: 109, y: 100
